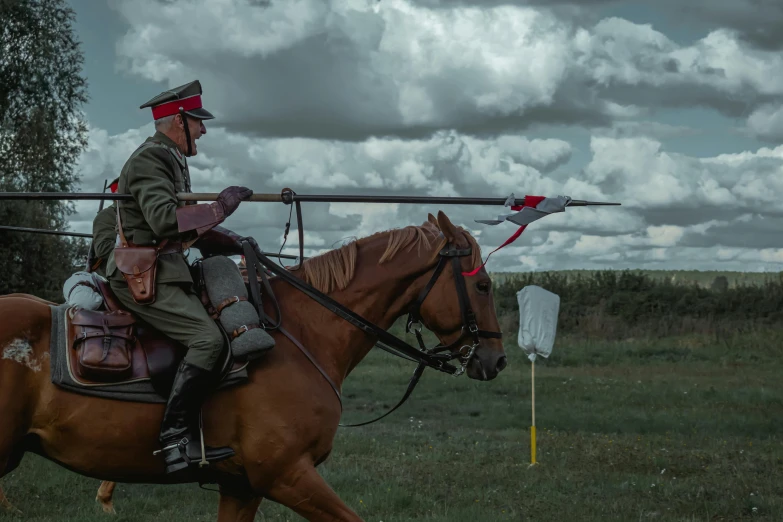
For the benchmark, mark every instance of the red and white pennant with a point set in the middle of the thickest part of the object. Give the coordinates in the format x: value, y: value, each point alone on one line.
x: 534, y: 208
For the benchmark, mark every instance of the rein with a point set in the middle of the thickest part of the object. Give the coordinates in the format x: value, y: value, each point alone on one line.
x: 426, y: 358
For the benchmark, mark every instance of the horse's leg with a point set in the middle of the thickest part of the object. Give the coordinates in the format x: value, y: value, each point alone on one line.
x: 303, y: 490
x: 5, y: 504
x: 237, y: 509
x: 104, y: 496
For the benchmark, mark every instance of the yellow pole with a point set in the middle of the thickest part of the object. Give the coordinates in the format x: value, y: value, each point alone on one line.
x: 533, y: 426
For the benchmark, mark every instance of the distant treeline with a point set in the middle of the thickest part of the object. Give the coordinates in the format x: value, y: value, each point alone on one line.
x: 622, y: 304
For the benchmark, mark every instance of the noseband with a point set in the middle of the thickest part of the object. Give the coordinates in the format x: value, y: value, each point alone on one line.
x: 469, y: 326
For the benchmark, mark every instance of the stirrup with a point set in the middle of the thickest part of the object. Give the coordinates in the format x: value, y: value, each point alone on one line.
x: 181, y: 444
x: 216, y: 454
x: 175, y: 455
x: 189, y: 452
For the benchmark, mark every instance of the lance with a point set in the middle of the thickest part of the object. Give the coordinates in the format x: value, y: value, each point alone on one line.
x: 289, y: 197
x: 526, y: 210
x: 44, y: 231
x: 82, y: 234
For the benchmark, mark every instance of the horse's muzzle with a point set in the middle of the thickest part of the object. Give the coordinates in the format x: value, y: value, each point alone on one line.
x: 486, y: 367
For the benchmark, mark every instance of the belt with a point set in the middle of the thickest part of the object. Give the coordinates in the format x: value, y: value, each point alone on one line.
x: 171, y: 248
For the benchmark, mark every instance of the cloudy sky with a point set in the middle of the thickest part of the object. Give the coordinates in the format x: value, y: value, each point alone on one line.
x: 676, y: 112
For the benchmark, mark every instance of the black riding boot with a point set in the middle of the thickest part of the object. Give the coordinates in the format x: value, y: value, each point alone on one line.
x: 180, y: 445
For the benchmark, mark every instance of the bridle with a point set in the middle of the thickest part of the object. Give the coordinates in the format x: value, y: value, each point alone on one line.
x: 439, y: 357
x: 469, y: 326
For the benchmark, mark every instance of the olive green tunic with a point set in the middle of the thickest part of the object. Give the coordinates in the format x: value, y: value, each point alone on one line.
x: 104, y: 234
x: 153, y: 175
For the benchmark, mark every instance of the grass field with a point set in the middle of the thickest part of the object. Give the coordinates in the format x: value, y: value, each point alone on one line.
x: 674, y: 430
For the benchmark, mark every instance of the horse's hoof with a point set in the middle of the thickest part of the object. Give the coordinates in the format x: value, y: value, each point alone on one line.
x: 106, y: 505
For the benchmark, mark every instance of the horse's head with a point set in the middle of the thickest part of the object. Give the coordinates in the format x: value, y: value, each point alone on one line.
x: 460, y: 310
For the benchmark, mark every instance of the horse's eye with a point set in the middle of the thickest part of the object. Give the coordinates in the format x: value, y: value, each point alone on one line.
x: 484, y: 287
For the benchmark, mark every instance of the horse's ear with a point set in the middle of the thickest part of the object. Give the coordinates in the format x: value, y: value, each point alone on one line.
x: 450, y: 232
x: 432, y: 220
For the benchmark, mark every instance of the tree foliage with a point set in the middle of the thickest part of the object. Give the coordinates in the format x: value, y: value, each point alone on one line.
x: 42, y: 133
x: 621, y: 304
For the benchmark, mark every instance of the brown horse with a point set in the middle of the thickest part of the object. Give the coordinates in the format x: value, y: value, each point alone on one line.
x: 282, y: 422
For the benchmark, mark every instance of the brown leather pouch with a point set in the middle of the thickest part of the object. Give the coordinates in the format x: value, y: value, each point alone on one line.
x: 103, y: 342
x: 138, y: 266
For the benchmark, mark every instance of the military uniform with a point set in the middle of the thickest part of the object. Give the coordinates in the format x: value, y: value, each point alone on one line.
x: 104, y: 233
x: 154, y: 174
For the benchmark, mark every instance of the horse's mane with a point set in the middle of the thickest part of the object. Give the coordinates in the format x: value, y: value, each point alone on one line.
x: 335, y: 269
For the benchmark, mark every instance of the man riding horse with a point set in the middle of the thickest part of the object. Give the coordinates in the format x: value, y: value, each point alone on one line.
x: 153, y: 175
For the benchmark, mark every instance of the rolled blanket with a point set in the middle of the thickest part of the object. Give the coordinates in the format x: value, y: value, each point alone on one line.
x: 81, y: 291
x: 228, y: 295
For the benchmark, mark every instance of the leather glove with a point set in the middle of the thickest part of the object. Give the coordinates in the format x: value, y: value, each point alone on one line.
x: 221, y: 241
x: 252, y: 243
x: 230, y: 198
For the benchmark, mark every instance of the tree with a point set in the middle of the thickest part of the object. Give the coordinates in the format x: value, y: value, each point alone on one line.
x: 719, y: 284
x: 42, y: 133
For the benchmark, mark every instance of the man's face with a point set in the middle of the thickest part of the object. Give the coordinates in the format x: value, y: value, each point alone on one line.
x: 197, y: 129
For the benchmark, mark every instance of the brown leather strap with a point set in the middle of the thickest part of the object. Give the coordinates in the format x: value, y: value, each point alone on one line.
x: 82, y: 283
x: 228, y: 301
x: 123, y: 241
x: 242, y: 329
x: 300, y: 227
x: 314, y: 362
x: 110, y: 333
x: 92, y: 335
x: 174, y: 247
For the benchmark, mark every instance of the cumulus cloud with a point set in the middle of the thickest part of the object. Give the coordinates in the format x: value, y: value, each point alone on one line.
x: 757, y: 22
x: 476, y: 98
x: 445, y: 164
x: 766, y: 122
x: 351, y: 69
x: 638, y: 172
x: 643, y: 175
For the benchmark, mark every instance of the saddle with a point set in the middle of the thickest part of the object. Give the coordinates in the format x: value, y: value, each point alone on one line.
x: 113, y: 346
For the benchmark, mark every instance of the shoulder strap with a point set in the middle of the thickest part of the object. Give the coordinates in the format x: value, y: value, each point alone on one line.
x: 123, y: 241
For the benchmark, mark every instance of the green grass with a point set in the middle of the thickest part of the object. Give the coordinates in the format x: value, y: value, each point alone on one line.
x: 668, y: 430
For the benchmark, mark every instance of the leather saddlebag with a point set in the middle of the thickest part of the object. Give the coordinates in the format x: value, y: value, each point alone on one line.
x: 138, y: 266
x: 103, y: 342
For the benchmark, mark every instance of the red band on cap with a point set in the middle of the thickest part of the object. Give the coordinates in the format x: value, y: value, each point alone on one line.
x: 172, y: 107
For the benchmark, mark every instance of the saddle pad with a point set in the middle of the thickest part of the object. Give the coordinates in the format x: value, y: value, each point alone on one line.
x: 138, y: 388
